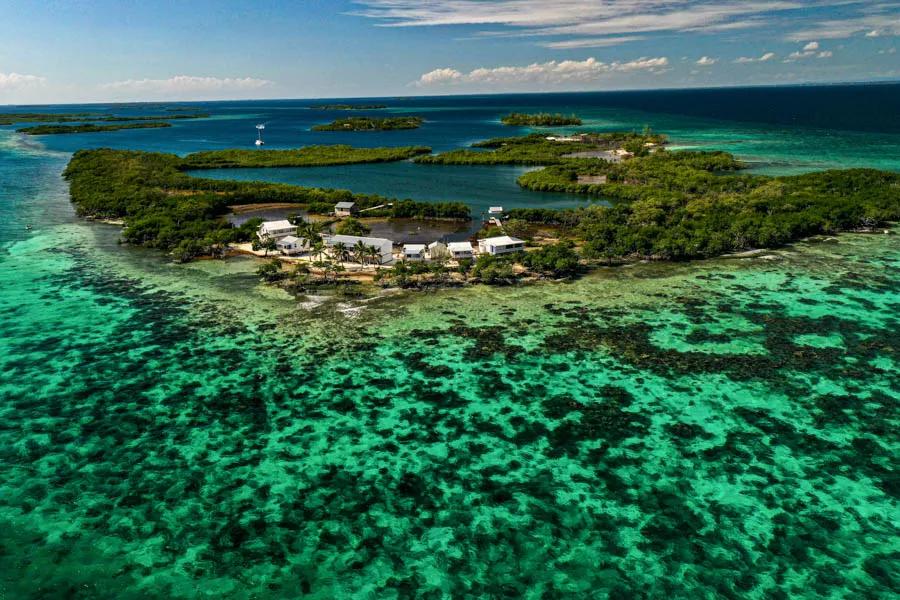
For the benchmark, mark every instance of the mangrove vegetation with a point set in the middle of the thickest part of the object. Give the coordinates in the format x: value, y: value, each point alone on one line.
x: 540, y: 120
x: 371, y: 124
x: 537, y: 149
x: 308, y: 156
x: 163, y: 207
x: 87, y: 128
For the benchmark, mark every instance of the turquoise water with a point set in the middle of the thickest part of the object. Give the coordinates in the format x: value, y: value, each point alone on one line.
x: 715, y: 429
x: 478, y: 186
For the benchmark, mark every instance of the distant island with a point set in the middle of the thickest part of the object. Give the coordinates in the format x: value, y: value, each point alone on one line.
x: 310, y: 156
x: 87, y: 128
x: 540, y: 120
x: 13, y: 118
x: 540, y: 149
x: 348, y: 106
x: 371, y: 124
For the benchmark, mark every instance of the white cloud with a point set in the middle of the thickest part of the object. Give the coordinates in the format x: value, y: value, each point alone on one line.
x: 872, y: 25
x: 750, y: 59
x: 809, y: 50
x: 17, y: 81
x: 548, y: 73
x: 187, y: 86
x: 601, y: 42
x: 439, y: 76
x: 581, y: 21
x: 706, y: 61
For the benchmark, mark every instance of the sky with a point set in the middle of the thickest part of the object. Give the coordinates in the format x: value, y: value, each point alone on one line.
x: 64, y: 51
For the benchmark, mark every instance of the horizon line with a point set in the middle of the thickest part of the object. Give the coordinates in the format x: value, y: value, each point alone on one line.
x: 475, y: 94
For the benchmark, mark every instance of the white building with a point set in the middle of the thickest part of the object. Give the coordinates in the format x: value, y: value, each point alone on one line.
x: 495, y: 210
x: 438, y: 250
x: 344, y: 209
x: 460, y: 250
x: 384, y: 247
x: 414, y: 251
x: 275, y: 230
x: 500, y: 245
x: 290, y: 244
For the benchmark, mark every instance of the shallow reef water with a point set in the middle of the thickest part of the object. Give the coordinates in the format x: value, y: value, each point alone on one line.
x: 720, y: 429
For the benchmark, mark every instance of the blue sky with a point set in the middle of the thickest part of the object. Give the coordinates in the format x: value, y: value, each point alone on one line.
x: 78, y: 50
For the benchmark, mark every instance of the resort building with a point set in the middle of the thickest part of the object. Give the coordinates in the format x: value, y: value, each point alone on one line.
x: 275, y: 230
x: 495, y: 210
x: 384, y: 247
x: 500, y: 245
x: 438, y: 250
x: 460, y: 250
x: 414, y: 251
x: 290, y: 245
x: 344, y: 209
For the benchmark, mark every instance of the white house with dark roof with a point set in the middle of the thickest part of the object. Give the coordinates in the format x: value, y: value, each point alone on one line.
x: 275, y: 230
x: 289, y: 245
x: 384, y: 246
x: 414, y: 252
x: 460, y: 250
x: 344, y: 209
x: 503, y: 244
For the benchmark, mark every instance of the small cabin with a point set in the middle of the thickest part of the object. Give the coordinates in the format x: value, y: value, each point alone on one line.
x: 460, y: 250
x: 503, y: 244
x: 290, y: 245
x: 275, y: 230
x: 414, y: 252
x: 438, y: 250
x: 384, y: 247
x: 495, y: 210
x: 345, y: 209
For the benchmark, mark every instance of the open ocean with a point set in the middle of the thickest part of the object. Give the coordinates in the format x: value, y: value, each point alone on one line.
x: 718, y: 429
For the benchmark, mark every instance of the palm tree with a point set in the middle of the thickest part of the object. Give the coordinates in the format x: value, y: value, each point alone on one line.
x: 311, y: 231
x: 318, y: 248
x: 373, y: 253
x: 359, y: 250
x: 340, y: 252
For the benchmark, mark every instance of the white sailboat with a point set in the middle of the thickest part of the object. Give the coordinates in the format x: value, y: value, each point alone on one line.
x: 259, y: 140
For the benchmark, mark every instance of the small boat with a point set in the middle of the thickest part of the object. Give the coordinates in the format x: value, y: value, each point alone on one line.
x: 28, y: 227
x: 259, y: 140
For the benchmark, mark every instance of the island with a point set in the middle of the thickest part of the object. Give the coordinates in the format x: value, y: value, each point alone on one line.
x: 13, y: 118
x: 540, y: 120
x: 371, y: 124
x: 659, y: 205
x: 540, y: 149
x: 162, y: 207
x: 87, y: 128
x: 309, y: 156
x: 348, y: 106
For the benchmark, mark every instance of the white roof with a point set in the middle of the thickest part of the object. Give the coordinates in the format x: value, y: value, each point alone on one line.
x: 413, y: 248
x: 270, y: 225
x: 460, y: 246
x: 436, y: 245
x: 345, y: 205
x: 502, y: 240
x: 290, y: 239
x: 495, y: 209
x: 350, y: 240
